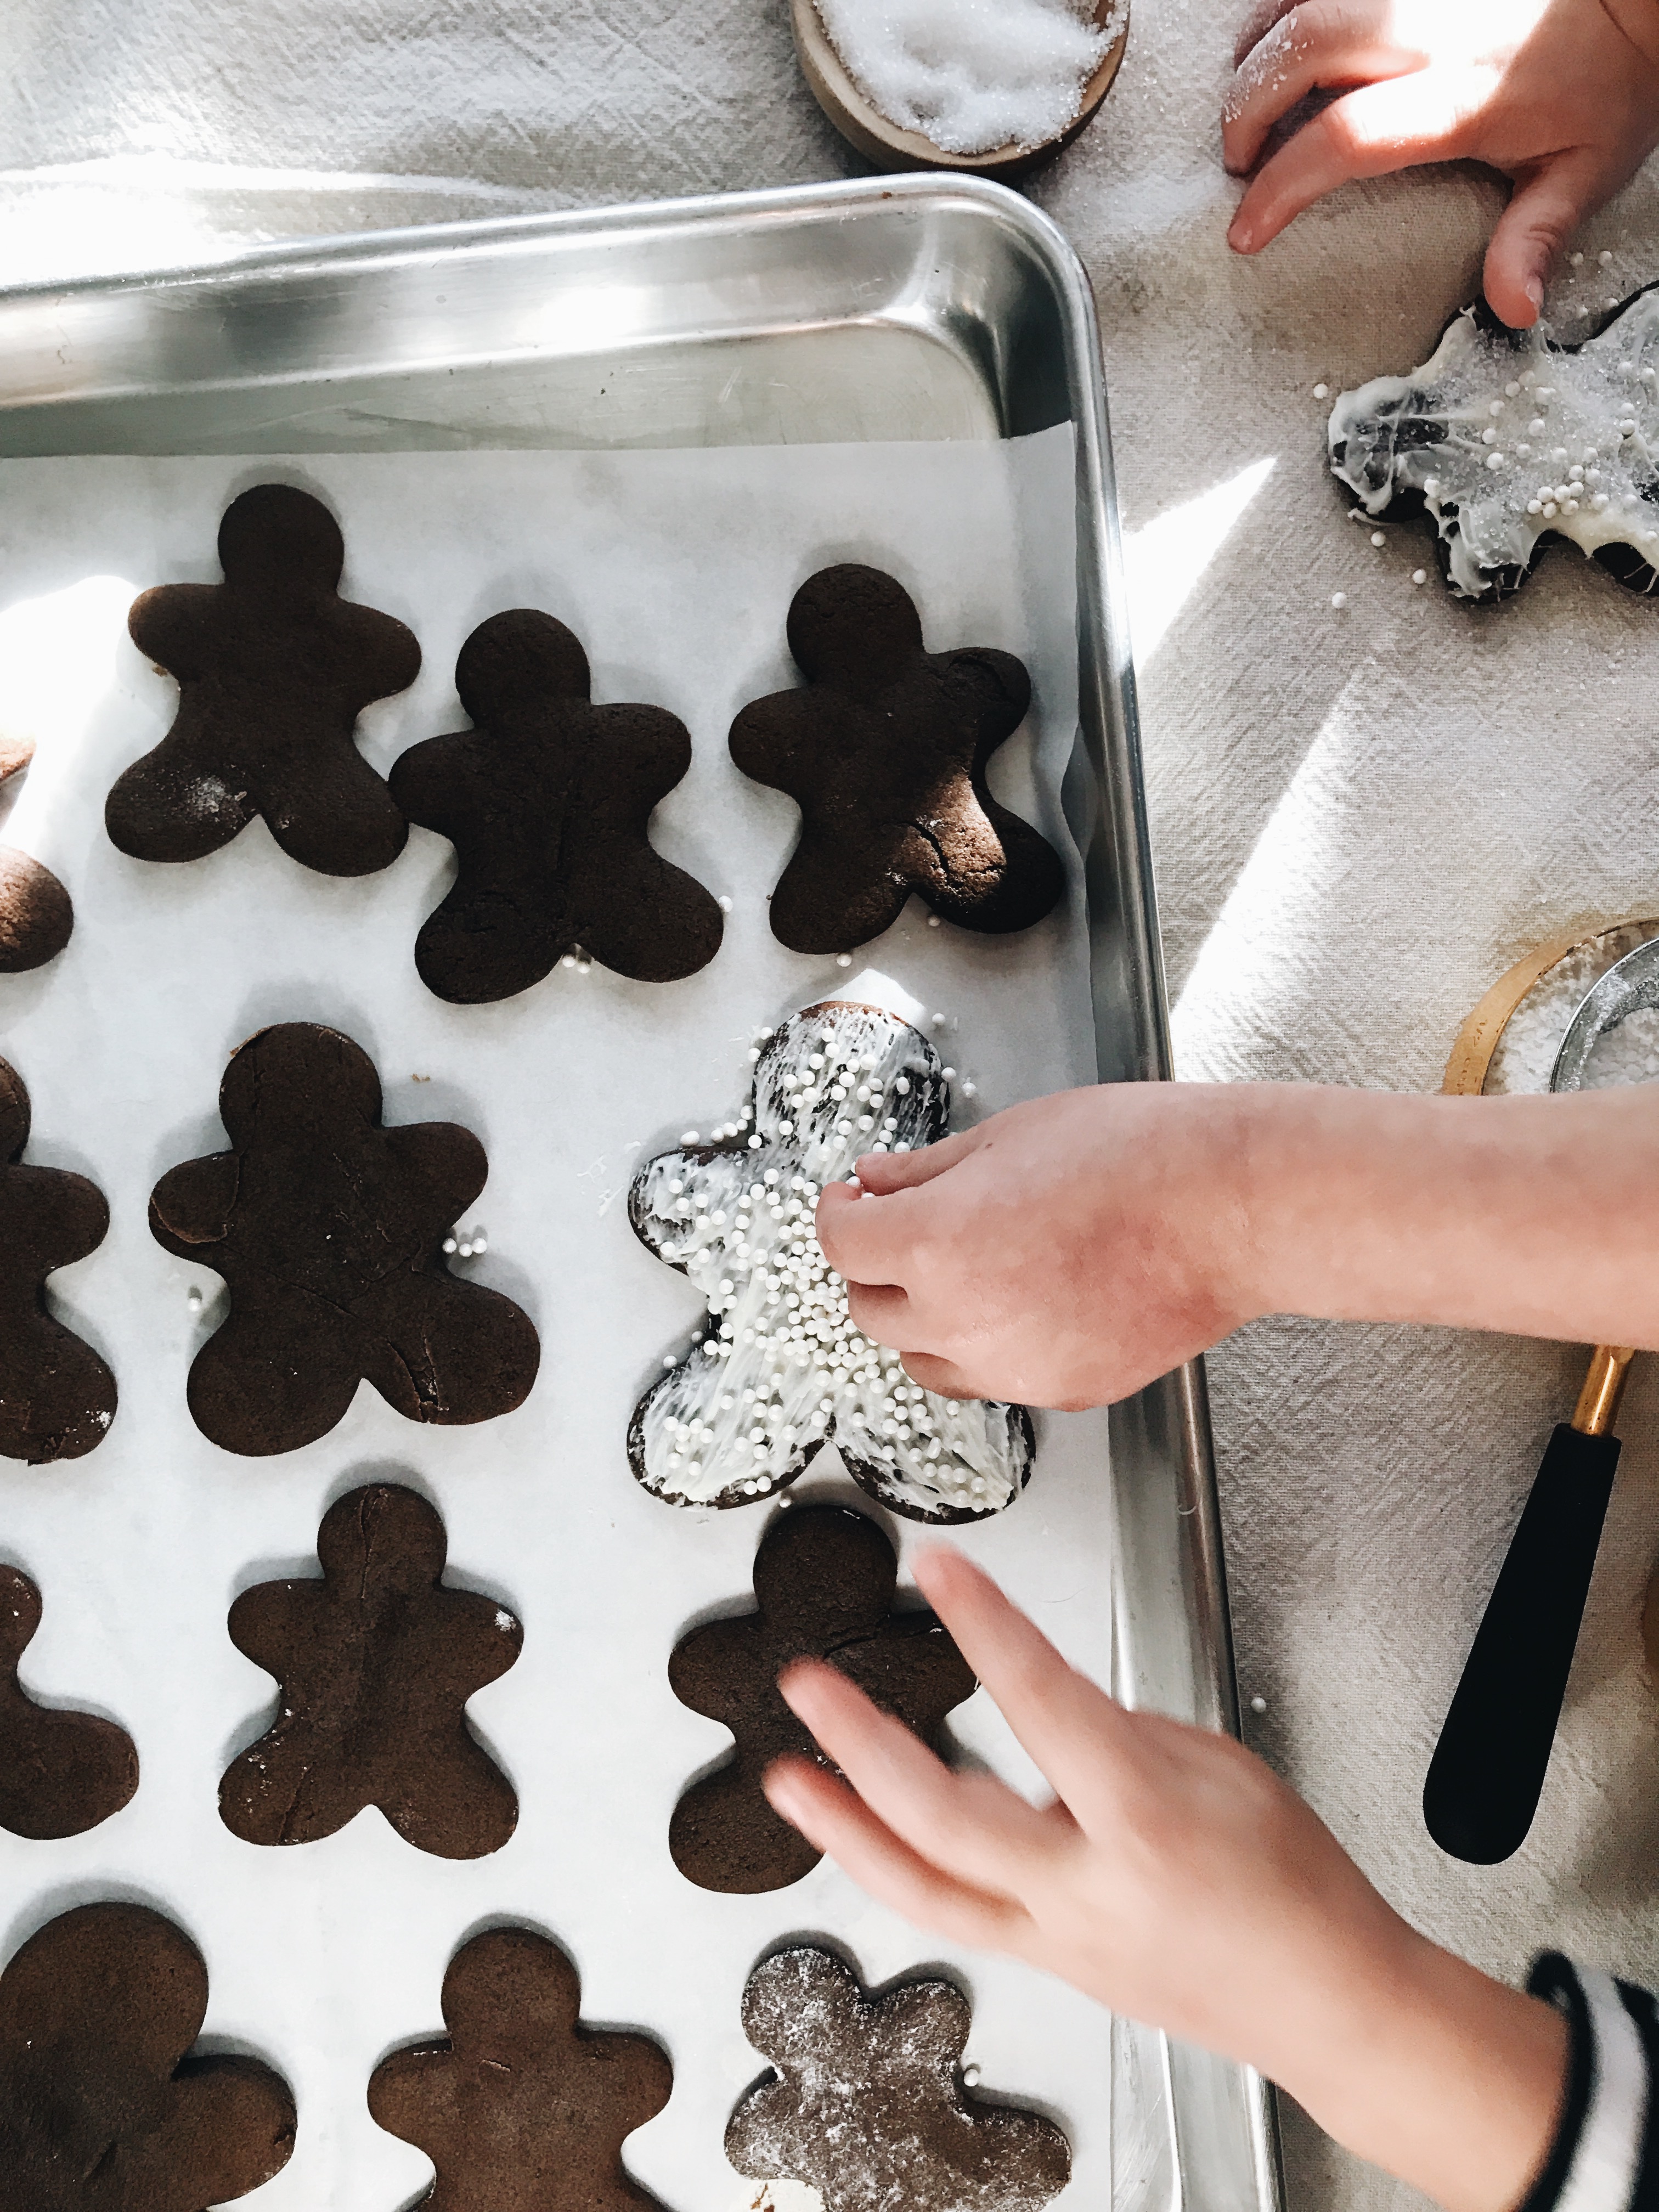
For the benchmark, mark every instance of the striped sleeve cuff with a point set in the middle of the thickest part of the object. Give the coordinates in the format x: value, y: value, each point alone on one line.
x: 1605, y: 2157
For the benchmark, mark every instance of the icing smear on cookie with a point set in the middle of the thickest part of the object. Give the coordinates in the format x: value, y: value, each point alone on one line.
x: 780, y: 1370
x: 1508, y: 437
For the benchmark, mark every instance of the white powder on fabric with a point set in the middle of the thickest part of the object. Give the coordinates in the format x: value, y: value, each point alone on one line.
x: 1525, y: 1056
x: 971, y: 76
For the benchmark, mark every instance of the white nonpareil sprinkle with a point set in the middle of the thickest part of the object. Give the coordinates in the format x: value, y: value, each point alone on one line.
x: 1339, y: 600
x: 971, y: 76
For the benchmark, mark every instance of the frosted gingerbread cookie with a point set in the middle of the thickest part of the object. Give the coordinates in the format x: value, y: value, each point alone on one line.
x: 56, y: 1396
x: 376, y: 1662
x: 328, y: 1230
x: 104, y: 2106
x: 521, y: 2108
x: 273, y: 668
x: 546, y: 802
x: 885, y: 752
x: 824, y: 1579
x: 37, y: 916
x: 779, y: 1370
x: 868, y: 2106
x: 61, y: 1771
x: 1506, y: 439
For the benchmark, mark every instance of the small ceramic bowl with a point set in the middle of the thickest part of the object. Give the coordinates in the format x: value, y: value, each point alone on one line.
x: 889, y: 148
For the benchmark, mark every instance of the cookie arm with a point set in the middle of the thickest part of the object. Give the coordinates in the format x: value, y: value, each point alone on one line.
x: 174, y: 625
x: 449, y: 1161
x: 270, y: 1622
x: 391, y: 652
x: 771, y: 739
x: 61, y: 1216
x: 483, y: 1637
x: 711, y: 1671
x: 191, y: 1207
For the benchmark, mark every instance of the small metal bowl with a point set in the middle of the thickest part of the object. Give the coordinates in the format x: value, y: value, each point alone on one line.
x: 889, y: 148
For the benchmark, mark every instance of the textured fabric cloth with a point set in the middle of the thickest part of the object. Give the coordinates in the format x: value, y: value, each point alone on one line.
x: 1360, y: 819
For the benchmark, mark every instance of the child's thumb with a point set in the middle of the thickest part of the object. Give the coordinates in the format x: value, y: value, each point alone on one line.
x: 1548, y: 204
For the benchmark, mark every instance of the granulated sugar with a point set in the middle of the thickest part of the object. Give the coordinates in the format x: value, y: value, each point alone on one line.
x: 971, y: 76
x: 1526, y: 1052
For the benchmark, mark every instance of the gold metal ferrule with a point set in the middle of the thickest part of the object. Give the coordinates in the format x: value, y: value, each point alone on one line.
x: 1604, y: 1386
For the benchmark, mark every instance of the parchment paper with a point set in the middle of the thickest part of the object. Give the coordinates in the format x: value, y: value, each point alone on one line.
x: 676, y: 569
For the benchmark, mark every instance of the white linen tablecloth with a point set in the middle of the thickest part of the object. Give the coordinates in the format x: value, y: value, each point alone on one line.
x: 1360, y: 817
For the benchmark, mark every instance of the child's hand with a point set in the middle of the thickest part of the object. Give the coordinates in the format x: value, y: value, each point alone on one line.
x: 1176, y: 1879
x: 1561, y: 95
x: 1063, y: 1252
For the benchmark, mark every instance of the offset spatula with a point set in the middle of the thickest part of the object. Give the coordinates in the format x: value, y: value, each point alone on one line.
x: 1487, y: 1772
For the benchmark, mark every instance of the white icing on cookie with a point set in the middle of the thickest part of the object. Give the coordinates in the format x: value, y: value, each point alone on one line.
x: 1508, y: 437
x: 780, y: 1370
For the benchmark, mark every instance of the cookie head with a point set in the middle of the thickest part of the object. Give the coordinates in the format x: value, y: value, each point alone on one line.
x: 288, y: 1079
x: 276, y: 539
x: 853, y: 1572
x: 854, y: 627
x: 514, y: 663
x: 384, y: 1535
x: 510, y: 1974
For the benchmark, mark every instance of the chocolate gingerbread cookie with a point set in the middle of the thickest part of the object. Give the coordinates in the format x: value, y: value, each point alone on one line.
x: 868, y: 2104
x: 824, y: 1579
x: 328, y: 1230
x: 520, y: 2108
x: 376, y: 1661
x: 779, y: 1369
x: 56, y: 1396
x: 36, y: 913
x: 546, y: 802
x: 103, y: 2106
x: 1508, y: 439
x: 61, y: 1772
x: 885, y: 753
x: 273, y: 668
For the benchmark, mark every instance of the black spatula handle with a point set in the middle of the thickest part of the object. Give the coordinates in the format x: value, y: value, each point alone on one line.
x: 1488, y: 1768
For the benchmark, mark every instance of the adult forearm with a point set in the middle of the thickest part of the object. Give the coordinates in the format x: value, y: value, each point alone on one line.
x: 1536, y: 1216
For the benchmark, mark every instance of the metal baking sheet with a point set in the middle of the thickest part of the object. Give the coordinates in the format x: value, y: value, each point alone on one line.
x: 903, y: 309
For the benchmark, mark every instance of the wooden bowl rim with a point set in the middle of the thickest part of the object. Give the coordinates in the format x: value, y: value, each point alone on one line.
x: 891, y: 146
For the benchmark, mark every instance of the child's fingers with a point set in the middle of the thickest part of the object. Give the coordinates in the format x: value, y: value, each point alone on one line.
x: 971, y: 1826
x: 1257, y: 24
x: 1419, y: 118
x: 1548, y: 205
x: 883, y: 1172
x: 1075, y: 1733
x: 1327, y: 42
x: 942, y: 1376
x: 830, y: 1816
x: 883, y: 1311
x: 872, y: 1240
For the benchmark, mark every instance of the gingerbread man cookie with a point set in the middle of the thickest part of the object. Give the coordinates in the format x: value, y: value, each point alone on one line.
x: 1506, y: 439
x: 868, y: 2104
x: 56, y: 1396
x: 37, y: 915
x: 824, y: 1579
x: 61, y: 1772
x: 885, y: 753
x: 328, y: 1231
x: 520, y: 2108
x: 103, y: 2106
x: 546, y: 803
x: 779, y: 1370
x: 376, y: 1661
x: 274, y: 668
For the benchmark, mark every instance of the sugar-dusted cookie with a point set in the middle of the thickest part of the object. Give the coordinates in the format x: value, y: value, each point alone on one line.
x: 36, y: 913
x: 546, y: 803
x: 884, y: 752
x: 328, y: 1231
x: 376, y: 1661
x: 1507, y: 439
x: 61, y: 1772
x: 56, y: 1396
x: 824, y: 1579
x: 868, y: 2104
x: 104, y: 2107
x: 273, y: 668
x: 520, y: 2108
x: 779, y: 1370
